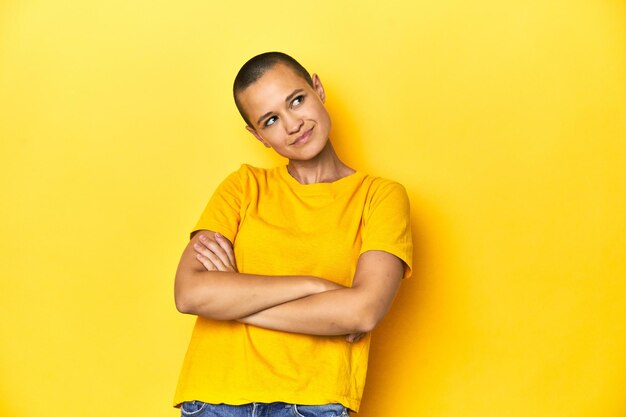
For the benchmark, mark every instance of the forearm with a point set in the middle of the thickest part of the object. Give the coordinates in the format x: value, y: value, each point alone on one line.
x: 232, y: 295
x: 357, y: 309
x: 213, y: 288
x: 337, y: 312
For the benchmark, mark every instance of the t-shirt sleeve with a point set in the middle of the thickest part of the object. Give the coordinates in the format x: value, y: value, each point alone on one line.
x: 223, y: 211
x: 387, y: 223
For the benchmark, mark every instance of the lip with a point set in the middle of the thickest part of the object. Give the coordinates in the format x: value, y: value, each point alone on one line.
x: 303, y: 138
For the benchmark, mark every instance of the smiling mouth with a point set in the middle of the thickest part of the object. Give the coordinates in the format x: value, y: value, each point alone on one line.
x: 303, y: 138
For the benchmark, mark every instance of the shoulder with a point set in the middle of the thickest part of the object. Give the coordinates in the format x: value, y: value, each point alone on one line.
x: 245, y: 173
x: 250, y: 171
x: 385, y: 199
x: 379, y: 188
x: 387, y: 220
x: 251, y: 179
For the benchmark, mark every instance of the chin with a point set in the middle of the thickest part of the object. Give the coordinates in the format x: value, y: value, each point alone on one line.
x: 312, y: 152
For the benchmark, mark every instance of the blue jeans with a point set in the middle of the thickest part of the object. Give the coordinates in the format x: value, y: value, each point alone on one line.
x: 200, y: 409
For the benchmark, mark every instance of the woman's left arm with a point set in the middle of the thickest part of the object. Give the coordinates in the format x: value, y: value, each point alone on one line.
x: 357, y: 309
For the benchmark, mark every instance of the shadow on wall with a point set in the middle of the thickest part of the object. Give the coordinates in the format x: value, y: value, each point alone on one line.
x: 401, y: 355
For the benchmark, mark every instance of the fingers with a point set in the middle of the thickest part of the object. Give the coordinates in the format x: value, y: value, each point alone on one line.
x: 215, y: 254
x: 205, y: 255
x: 355, y: 337
x: 206, y: 262
x: 228, y: 249
x: 217, y: 249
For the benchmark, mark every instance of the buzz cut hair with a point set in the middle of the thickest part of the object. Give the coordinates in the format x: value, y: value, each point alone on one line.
x: 254, y: 69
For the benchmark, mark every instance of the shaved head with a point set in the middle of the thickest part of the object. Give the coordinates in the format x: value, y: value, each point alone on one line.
x: 254, y: 69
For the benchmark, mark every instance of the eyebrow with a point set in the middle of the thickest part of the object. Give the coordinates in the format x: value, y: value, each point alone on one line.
x: 287, y: 100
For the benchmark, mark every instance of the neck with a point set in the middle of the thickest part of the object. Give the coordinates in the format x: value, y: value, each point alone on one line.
x: 325, y: 167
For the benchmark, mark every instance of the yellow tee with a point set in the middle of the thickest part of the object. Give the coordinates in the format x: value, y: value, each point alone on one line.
x: 281, y: 227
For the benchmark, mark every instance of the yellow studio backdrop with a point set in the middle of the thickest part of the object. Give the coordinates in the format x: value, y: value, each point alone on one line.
x: 505, y: 121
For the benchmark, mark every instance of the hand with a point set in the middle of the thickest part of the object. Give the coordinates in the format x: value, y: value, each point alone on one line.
x: 354, y: 337
x: 215, y: 254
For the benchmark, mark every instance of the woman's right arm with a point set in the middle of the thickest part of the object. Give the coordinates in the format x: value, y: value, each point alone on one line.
x: 230, y: 295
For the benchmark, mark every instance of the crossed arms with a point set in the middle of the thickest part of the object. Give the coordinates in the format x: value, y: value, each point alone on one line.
x: 208, y: 284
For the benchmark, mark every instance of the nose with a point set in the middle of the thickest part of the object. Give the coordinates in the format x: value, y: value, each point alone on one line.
x: 293, y: 123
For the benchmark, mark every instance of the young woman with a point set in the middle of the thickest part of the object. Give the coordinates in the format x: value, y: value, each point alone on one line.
x: 290, y: 268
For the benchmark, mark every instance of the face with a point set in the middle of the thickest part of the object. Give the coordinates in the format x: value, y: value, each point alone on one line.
x: 287, y: 114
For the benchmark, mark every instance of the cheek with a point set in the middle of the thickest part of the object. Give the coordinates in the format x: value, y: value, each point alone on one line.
x: 276, y: 139
x: 324, y: 119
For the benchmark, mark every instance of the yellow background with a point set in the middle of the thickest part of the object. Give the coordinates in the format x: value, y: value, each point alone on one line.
x: 505, y: 121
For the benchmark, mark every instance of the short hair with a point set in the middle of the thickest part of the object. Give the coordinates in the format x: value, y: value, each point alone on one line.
x: 254, y: 69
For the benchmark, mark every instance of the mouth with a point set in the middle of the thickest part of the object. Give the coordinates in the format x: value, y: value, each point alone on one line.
x: 303, y: 138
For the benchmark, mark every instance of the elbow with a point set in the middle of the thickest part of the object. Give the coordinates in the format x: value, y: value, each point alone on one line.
x: 183, y: 303
x: 187, y: 304
x: 199, y: 302
x: 366, y: 320
x: 185, y: 296
x: 365, y: 325
x: 183, y: 292
x: 183, y: 308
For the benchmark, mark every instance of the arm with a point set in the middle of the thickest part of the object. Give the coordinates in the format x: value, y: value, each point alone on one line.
x: 222, y: 293
x: 342, y: 311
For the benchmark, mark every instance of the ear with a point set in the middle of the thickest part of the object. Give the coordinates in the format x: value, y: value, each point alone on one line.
x: 318, y: 87
x: 256, y: 135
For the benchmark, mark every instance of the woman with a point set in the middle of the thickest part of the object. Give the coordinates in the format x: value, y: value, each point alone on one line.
x: 288, y: 269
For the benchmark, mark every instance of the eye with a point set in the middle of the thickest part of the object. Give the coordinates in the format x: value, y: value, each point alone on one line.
x: 270, y: 121
x: 297, y: 101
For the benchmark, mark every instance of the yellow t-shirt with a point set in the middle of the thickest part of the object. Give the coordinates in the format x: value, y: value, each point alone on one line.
x: 281, y: 227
